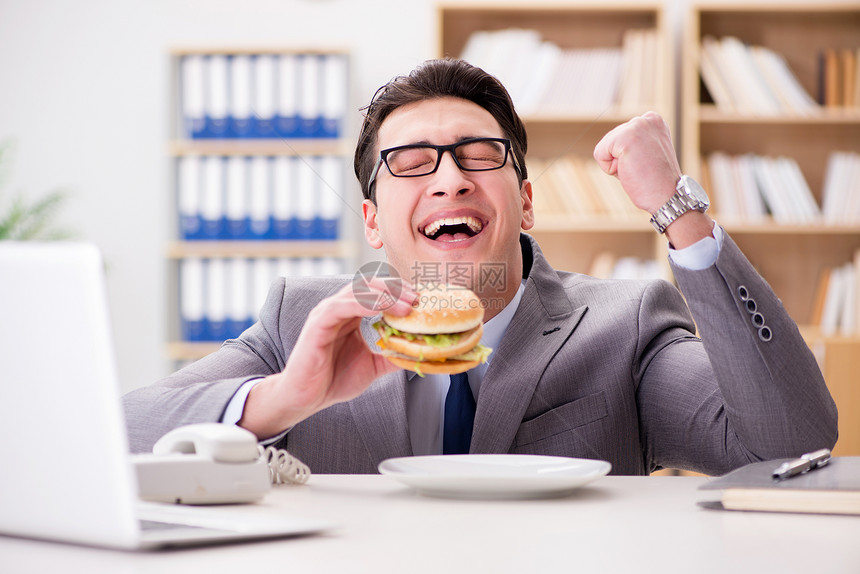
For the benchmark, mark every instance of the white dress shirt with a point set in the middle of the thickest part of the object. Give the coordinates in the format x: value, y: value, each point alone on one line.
x: 425, y: 397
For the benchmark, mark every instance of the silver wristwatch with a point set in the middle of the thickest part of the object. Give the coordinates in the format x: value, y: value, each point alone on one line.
x: 689, y: 196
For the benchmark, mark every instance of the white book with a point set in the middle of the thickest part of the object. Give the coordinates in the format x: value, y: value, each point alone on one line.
x: 832, y: 299
x: 238, y: 293
x: 606, y: 76
x: 753, y: 201
x: 193, y: 92
x: 545, y: 65
x: 808, y: 207
x: 517, y: 72
x: 852, y: 188
x: 477, y: 46
x: 713, y: 75
x: 722, y: 182
x: 264, y: 87
x: 745, y: 81
x: 783, y: 83
x: 218, y: 87
x: 774, y: 196
x: 260, y: 207
x: 833, y: 204
x: 240, y: 87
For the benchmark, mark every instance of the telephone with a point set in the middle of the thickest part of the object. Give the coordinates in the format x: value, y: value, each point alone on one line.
x: 213, y: 463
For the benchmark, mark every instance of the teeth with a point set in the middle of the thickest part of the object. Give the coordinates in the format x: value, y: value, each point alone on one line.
x: 473, y: 223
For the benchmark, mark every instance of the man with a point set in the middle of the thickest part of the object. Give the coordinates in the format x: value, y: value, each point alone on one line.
x: 582, y: 367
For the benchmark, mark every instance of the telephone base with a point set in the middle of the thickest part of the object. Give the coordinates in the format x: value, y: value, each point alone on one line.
x: 197, y: 479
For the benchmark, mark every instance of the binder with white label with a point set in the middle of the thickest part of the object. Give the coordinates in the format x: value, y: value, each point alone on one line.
x: 304, y: 197
x: 263, y: 272
x: 310, y: 109
x: 283, y: 201
x: 263, y: 106
x: 287, y: 113
x: 189, y: 197
x: 239, y: 115
x: 215, y: 301
x: 260, y: 198
x: 329, y: 191
x: 334, y: 95
x: 217, y: 122
x: 191, y: 290
x: 237, y: 211
x: 239, y: 310
x: 193, y: 93
x: 212, y: 201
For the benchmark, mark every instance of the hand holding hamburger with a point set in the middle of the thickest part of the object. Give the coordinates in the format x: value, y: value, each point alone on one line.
x: 442, y: 333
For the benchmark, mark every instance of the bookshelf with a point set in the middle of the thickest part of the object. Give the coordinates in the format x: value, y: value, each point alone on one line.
x: 791, y: 257
x: 259, y: 152
x: 556, y: 133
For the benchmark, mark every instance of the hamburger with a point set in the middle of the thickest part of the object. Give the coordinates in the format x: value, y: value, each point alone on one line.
x: 442, y: 333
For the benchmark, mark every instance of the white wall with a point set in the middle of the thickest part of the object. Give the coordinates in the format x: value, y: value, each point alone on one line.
x: 84, y: 89
x: 84, y: 96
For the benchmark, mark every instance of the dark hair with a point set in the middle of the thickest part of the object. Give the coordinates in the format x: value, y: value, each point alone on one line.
x: 437, y: 79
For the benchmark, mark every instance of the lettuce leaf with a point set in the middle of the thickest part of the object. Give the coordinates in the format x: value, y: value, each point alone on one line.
x: 439, y: 341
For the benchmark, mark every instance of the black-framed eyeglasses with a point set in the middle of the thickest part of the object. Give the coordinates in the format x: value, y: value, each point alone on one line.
x: 473, y: 154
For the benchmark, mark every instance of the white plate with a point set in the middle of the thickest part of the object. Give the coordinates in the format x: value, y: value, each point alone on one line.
x: 494, y: 475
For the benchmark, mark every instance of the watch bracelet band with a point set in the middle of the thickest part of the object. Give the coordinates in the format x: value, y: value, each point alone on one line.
x: 679, y: 204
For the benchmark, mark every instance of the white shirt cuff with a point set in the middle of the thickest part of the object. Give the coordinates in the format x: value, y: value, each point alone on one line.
x: 701, y: 254
x: 236, y: 406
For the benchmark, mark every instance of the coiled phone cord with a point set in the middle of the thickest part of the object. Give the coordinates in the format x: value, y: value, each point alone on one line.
x: 284, y: 468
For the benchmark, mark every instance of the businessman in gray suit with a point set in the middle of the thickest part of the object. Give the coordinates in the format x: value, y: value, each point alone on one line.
x: 581, y: 367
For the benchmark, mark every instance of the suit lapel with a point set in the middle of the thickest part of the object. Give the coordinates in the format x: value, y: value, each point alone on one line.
x: 543, y: 322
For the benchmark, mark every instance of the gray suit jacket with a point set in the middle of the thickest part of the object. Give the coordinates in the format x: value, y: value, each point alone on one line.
x: 587, y: 368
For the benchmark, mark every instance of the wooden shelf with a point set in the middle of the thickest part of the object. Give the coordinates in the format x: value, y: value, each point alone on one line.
x: 572, y: 243
x: 185, y: 351
x: 271, y: 249
x: 792, y: 258
x: 268, y: 147
x: 848, y: 117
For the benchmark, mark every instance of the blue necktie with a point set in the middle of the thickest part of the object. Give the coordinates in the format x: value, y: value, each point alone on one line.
x: 459, y: 416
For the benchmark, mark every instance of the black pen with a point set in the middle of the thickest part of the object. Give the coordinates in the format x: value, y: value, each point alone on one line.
x: 807, y: 462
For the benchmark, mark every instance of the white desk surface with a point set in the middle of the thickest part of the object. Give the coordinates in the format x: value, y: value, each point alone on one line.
x: 615, y: 524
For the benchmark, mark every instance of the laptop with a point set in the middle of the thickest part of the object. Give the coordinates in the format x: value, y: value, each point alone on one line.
x: 66, y: 472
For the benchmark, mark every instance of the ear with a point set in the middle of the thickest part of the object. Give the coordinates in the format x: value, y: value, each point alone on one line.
x: 371, y: 227
x: 528, y: 220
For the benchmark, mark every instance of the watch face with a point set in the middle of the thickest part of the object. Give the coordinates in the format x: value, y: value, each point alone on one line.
x: 695, y: 190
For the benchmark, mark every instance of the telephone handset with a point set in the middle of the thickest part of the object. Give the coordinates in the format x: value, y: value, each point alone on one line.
x: 213, y: 463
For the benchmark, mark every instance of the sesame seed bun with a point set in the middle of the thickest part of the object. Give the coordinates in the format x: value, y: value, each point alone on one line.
x: 440, y: 309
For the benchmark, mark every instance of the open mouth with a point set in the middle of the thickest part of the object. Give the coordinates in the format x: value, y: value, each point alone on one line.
x: 453, y: 228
